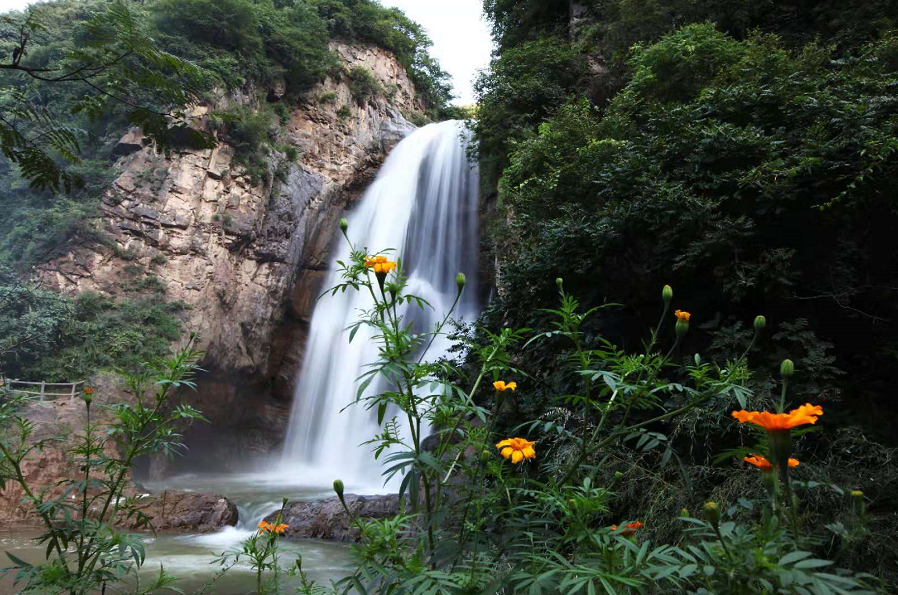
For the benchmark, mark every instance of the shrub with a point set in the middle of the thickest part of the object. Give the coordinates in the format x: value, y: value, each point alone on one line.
x: 56, y: 338
x: 344, y: 113
x: 327, y: 97
x: 363, y: 85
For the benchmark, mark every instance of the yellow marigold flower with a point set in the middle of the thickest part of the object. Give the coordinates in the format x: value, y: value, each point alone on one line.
x: 765, y: 465
x: 502, y: 387
x: 780, y: 422
x: 380, y: 264
x: 384, y: 267
x: 630, y: 529
x: 517, y: 449
x: 681, y: 315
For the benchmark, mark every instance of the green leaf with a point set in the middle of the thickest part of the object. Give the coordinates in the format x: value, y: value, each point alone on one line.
x: 793, y: 557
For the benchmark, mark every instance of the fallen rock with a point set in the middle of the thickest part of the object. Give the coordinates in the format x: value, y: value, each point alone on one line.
x: 326, y: 519
x: 185, y: 512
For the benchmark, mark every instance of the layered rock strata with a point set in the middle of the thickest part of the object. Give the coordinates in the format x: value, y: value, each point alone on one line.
x: 245, y: 258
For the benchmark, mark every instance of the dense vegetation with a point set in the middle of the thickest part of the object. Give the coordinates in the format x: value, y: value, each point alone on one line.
x: 743, y: 152
x: 546, y: 505
x: 147, y: 63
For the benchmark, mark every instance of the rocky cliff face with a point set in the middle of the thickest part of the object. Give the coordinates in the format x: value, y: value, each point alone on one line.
x: 247, y: 259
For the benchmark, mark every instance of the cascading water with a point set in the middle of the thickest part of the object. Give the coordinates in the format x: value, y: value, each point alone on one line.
x: 424, y: 204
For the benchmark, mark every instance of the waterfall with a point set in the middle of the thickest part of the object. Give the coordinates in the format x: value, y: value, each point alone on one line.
x: 423, y: 204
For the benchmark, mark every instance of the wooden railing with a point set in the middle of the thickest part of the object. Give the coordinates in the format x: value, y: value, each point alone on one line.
x: 44, y: 390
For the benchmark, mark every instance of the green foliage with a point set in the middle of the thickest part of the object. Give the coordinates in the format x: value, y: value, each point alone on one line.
x: 363, y: 85
x: 344, y: 112
x: 52, y: 337
x: 514, y: 519
x: 752, y: 172
x: 109, y: 60
x: 266, y: 41
x: 85, y: 553
x: 523, y: 86
x: 368, y: 21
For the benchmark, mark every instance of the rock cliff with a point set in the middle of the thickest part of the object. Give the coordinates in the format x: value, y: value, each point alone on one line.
x: 247, y: 259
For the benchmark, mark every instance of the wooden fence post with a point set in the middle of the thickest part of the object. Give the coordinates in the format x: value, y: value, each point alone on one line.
x: 43, y: 384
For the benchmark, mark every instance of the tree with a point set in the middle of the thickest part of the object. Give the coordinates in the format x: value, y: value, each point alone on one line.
x: 110, y: 59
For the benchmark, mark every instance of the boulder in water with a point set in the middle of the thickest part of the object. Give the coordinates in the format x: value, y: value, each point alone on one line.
x: 185, y: 512
x: 326, y: 519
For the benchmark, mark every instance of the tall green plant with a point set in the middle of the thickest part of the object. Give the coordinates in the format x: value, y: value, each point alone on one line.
x: 85, y: 552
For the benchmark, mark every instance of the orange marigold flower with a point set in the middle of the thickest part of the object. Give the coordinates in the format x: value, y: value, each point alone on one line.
x: 765, y: 465
x: 266, y: 527
x: 501, y: 386
x: 630, y: 528
x: 681, y: 315
x: 517, y: 449
x: 780, y: 422
x: 89, y: 390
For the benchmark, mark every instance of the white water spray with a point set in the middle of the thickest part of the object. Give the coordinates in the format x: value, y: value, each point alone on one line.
x: 423, y: 203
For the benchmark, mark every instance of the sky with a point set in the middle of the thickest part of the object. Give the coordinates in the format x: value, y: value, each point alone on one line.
x: 461, y: 38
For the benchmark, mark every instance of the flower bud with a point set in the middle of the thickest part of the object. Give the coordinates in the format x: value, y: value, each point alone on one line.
x: 698, y: 360
x: 338, y: 488
x: 684, y: 513
x: 858, y: 497
x: 344, y: 224
x: 485, y: 457
x: 712, y: 513
x: 787, y: 368
x: 88, y: 395
x: 560, y: 283
x: 760, y: 323
x: 617, y: 477
x: 667, y: 294
x: 682, y: 327
x: 284, y: 503
x: 460, y: 281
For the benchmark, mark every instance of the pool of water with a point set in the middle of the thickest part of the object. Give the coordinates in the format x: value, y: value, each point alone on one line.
x: 190, y: 557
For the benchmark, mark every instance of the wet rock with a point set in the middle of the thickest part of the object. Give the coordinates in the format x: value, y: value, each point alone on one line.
x: 185, y: 512
x: 326, y: 519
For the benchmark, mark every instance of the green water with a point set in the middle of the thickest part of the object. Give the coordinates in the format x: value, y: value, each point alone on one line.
x: 190, y: 557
